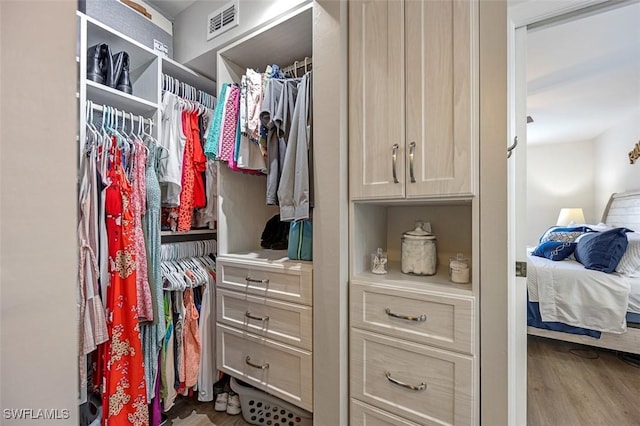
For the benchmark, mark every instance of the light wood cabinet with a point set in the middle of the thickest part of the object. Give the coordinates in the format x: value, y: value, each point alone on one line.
x: 262, y: 337
x: 422, y: 384
x: 436, y: 319
x: 412, y: 354
x: 412, y: 68
x: 282, y: 370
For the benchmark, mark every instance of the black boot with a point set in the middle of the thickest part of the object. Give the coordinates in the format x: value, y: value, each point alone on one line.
x: 113, y: 73
x: 97, y: 58
x: 124, y: 81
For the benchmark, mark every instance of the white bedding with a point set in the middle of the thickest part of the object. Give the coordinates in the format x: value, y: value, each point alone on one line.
x: 580, y: 297
x: 634, y: 296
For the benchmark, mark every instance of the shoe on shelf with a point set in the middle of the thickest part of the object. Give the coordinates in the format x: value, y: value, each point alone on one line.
x: 97, y: 57
x: 124, y: 81
x: 233, y: 404
x: 221, y: 401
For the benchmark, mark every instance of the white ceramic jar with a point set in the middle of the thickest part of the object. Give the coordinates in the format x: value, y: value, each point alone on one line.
x: 419, y: 255
x: 459, y: 269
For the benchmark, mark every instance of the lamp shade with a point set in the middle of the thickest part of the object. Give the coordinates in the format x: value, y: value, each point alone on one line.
x: 569, y: 215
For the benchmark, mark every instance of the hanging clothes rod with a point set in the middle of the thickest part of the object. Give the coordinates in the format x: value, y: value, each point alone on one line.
x: 293, y: 68
x: 187, y: 91
x: 122, y: 113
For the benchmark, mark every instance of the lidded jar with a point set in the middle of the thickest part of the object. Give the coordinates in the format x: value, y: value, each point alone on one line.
x: 419, y: 254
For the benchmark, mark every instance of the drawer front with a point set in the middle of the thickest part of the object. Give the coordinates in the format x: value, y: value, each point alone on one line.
x: 366, y: 415
x: 382, y: 368
x: 282, y: 321
x: 281, y: 370
x: 283, y: 282
x: 429, y: 318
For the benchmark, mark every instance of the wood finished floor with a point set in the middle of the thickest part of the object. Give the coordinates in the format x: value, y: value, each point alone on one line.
x: 565, y: 389
x: 191, y: 412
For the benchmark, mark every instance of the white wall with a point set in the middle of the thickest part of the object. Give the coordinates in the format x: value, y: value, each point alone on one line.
x: 38, y: 253
x: 559, y: 175
x: 613, y: 171
x: 189, y: 28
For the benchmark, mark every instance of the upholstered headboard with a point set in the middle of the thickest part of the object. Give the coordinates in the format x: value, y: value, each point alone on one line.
x: 623, y: 209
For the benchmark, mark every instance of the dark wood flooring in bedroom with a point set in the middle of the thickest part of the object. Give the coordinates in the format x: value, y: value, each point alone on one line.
x: 575, y: 385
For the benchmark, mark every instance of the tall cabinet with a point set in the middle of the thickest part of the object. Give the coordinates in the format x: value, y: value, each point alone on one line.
x: 264, y: 304
x: 413, y: 142
x: 410, y: 98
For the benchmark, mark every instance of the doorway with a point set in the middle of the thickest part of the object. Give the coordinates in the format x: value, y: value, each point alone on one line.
x: 530, y: 21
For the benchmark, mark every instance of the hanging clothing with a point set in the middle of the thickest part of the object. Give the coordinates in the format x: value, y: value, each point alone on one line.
x: 254, y: 95
x: 185, y: 211
x: 294, y: 188
x: 168, y: 375
x: 153, y: 333
x: 91, y: 316
x: 199, y: 165
x: 139, y: 205
x: 213, y: 138
x: 230, y: 124
x: 207, y: 372
x: 191, y: 340
x: 247, y: 153
x: 125, y: 397
x: 174, y: 140
x: 178, y: 329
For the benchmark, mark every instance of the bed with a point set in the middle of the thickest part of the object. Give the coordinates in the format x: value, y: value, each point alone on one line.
x: 572, y: 303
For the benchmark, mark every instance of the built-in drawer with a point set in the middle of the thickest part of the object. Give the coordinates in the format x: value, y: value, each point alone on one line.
x: 282, y: 321
x: 281, y: 370
x: 365, y: 415
x: 425, y: 385
x: 285, y: 280
x: 423, y: 317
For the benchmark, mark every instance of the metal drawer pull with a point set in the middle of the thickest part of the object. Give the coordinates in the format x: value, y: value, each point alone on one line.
x: 262, y: 367
x: 422, y: 386
x: 248, y: 315
x: 412, y: 149
x: 421, y: 318
x: 253, y: 280
x: 394, y: 161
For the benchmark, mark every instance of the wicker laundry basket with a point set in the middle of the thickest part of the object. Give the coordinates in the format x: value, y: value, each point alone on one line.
x: 260, y: 408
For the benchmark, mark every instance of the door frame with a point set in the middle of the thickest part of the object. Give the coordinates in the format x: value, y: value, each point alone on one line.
x: 521, y: 15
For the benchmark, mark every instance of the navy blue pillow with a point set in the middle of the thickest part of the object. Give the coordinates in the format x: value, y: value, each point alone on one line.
x: 564, y: 234
x: 555, y: 250
x: 602, y: 251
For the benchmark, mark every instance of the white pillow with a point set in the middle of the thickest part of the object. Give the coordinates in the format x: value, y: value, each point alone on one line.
x: 630, y: 263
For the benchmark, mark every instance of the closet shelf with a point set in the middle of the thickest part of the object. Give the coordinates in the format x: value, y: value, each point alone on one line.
x: 192, y: 232
x: 97, y: 32
x: 104, y: 95
x: 185, y: 75
x: 438, y: 282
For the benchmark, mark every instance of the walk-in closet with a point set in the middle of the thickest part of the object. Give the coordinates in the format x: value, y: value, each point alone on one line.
x: 195, y: 228
x: 274, y: 212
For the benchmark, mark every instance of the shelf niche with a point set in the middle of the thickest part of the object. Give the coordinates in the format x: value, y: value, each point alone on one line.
x: 382, y: 225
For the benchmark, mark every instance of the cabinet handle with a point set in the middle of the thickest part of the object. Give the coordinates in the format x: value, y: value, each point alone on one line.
x: 394, y: 161
x: 253, y: 280
x: 262, y: 367
x: 412, y: 149
x: 248, y: 315
x: 421, y: 318
x: 422, y: 386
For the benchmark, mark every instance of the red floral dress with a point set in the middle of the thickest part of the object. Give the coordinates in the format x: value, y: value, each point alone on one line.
x: 124, y: 391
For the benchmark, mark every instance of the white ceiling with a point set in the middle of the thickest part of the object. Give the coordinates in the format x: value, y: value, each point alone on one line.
x: 170, y: 8
x: 583, y: 76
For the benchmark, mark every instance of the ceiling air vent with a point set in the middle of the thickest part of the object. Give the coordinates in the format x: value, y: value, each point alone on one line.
x: 222, y: 20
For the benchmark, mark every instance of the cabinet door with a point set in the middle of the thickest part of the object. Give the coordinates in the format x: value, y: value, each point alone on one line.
x: 440, y: 109
x: 376, y: 99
